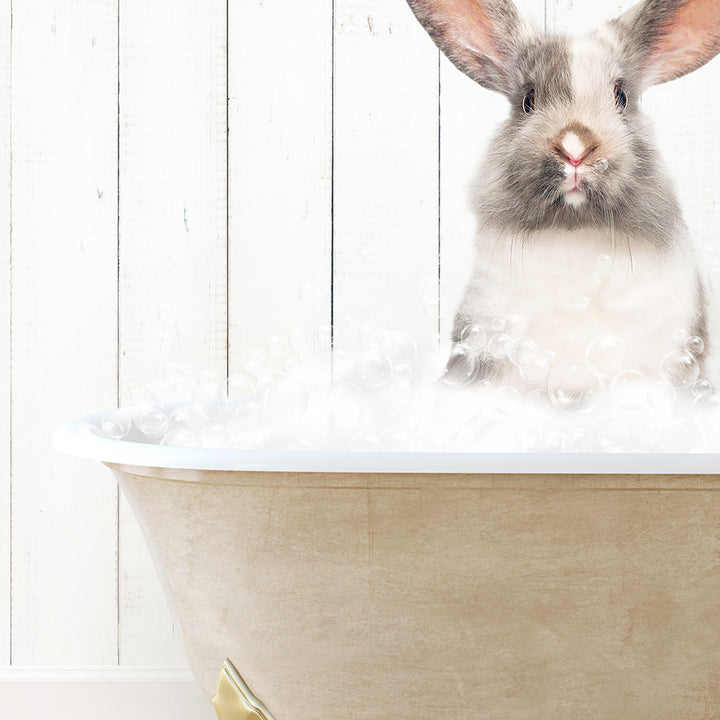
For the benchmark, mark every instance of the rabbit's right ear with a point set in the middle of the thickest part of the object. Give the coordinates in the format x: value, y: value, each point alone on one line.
x: 479, y: 36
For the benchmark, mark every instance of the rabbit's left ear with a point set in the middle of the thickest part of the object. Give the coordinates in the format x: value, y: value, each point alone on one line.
x: 673, y: 37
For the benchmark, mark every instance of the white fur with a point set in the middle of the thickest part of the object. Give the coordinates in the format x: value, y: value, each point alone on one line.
x: 567, y: 292
x: 572, y: 145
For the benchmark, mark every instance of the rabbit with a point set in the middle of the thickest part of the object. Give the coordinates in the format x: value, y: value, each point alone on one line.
x: 580, y: 240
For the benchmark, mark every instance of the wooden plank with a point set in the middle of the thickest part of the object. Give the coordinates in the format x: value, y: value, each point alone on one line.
x: 64, y: 293
x: 280, y: 116
x: 173, y: 214
x: 385, y: 171
x: 5, y: 278
x: 470, y: 116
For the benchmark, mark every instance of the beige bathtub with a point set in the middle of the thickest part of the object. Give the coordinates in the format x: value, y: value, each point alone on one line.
x: 364, y: 594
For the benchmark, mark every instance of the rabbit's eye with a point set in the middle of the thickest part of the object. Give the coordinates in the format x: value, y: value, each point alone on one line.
x: 621, y: 98
x: 528, y: 104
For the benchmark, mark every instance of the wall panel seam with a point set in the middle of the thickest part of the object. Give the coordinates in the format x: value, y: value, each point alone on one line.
x: 332, y: 178
x: 118, y: 347
x: 11, y: 289
x: 227, y: 193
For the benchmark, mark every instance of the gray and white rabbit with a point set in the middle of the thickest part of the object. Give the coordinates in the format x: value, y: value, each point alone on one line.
x: 580, y: 235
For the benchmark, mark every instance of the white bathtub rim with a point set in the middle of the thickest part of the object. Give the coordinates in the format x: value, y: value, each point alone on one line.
x: 73, y: 439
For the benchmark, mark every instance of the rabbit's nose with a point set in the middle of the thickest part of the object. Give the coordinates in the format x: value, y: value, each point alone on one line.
x: 574, y: 144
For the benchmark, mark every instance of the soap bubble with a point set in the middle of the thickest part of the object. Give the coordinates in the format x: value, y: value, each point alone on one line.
x: 214, y: 435
x: 310, y: 292
x: 521, y: 349
x: 506, y: 399
x: 374, y: 369
x: 499, y: 345
x: 660, y: 395
x: 401, y: 391
x: 211, y: 386
x: 300, y: 342
x: 318, y: 425
x: 347, y: 406
x: 152, y: 421
x: 685, y: 435
x: 248, y: 414
x: 253, y: 360
x: 694, y: 345
x: 116, y: 424
x: 497, y: 324
x: 277, y: 346
x: 580, y: 440
x: 604, y: 261
x: 629, y: 390
x: 474, y: 337
x: 582, y: 303
x: 369, y: 336
x: 462, y: 366
x: 241, y: 387
x: 547, y: 440
x: 396, y: 441
x: 575, y: 386
x: 601, y: 165
x: 343, y: 362
x: 516, y: 326
x: 167, y: 314
x: 399, y: 347
x: 653, y: 437
x: 702, y: 389
x: 179, y: 377
x: 139, y: 396
x: 181, y: 437
x: 613, y: 435
x: 679, y: 369
x: 163, y: 392
x: 195, y: 415
x: 364, y: 441
x: 534, y: 370
x: 285, y: 400
x: 607, y: 354
x: 90, y: 246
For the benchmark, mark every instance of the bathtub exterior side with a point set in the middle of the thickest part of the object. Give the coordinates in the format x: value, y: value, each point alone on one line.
x: 480, y: 596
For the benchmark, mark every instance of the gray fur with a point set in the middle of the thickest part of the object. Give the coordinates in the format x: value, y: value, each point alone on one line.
x: 518, y: 188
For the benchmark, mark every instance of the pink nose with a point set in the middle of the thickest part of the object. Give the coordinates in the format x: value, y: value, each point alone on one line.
x: 574, y: 161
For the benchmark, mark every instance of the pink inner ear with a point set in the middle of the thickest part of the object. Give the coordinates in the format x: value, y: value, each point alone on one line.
x: 465, y: 22
x: 689, y: 41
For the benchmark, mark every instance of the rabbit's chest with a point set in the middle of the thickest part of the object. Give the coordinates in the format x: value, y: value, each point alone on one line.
x: 570, y: 287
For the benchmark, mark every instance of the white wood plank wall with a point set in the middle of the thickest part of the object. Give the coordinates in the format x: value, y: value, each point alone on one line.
x: 190, y: 179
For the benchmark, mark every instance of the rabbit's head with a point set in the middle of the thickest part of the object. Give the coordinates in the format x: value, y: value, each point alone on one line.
x: 576, y: 149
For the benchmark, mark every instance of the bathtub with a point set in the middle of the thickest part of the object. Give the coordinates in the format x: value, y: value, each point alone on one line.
x: 415, y: 586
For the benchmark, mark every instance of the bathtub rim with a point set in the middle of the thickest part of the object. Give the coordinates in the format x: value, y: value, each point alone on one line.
x: 73, y: 438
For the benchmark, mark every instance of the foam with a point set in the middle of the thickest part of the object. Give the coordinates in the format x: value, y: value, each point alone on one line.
x: 387, y: 394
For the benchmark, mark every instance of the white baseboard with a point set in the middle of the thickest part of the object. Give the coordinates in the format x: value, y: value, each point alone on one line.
x: 112, y: 693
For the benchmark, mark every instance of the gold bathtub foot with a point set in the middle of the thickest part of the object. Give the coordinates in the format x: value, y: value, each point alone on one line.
x: 233, y: 699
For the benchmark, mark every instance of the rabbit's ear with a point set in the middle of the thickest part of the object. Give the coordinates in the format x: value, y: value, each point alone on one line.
x: 674, y: 37
x: 479, y: 36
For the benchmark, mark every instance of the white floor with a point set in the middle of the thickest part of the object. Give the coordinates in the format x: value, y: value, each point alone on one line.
x: 107, y: 693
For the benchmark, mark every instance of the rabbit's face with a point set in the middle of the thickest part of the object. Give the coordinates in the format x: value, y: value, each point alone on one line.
x: 575, y: 145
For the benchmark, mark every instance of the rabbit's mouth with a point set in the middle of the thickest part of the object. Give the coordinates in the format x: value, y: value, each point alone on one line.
x: 575, y: 196
x: 574, y: 185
